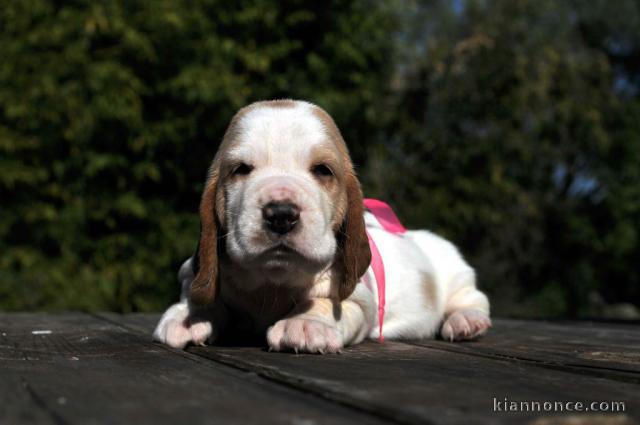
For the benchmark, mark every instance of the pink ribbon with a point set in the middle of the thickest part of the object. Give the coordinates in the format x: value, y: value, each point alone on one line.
x: 389, y: 222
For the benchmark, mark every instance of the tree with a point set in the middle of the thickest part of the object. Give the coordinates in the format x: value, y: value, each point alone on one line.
x: 111, y: 112
x: 512, y: 141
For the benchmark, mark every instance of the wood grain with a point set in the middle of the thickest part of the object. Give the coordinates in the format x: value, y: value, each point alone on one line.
x: 90, y: 371
x: 598, y: 349
x: 418, y: 383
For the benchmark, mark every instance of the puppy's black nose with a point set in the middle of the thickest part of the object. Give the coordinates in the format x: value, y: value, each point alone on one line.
x: 280, y: 217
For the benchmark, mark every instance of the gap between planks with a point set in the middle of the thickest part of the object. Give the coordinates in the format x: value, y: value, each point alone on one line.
x: 468, y: 349
x: 291, y: 381
x: 578, y: 369
x: 311, y: 385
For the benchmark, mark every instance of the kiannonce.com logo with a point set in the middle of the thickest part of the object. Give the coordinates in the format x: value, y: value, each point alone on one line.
x: 506, y: 405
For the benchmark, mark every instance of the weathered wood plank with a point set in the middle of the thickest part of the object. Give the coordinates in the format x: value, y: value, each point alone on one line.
x: 415, y: 384
x: 602, y: 349
x: 144, y: 323
x: 83, y: 370
x: 16, y: 394
x: 610, y: 350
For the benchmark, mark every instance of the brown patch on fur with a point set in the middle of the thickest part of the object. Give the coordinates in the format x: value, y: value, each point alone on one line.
x: 334, y: 186
x: 203, y: 287
x: 333, y: 132
x: 429, y: 288
x: 341, y: 202
x: 354, y: 255
x: 278, y: 103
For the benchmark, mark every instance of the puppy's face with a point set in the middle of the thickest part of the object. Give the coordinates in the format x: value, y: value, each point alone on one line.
x: 282, y: 176
x: 283, y: 198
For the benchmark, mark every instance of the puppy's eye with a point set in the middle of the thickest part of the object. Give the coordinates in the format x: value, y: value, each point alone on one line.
x: 242, y: 170
x: 321, y: 170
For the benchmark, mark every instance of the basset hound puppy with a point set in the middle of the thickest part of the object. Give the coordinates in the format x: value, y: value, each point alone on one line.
x: 283, y: 249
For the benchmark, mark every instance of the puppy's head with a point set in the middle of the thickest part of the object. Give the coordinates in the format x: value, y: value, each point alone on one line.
x: 282, y: 197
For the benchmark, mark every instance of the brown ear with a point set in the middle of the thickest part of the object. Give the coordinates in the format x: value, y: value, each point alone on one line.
x: 203, y: 287
x: 353, y: 245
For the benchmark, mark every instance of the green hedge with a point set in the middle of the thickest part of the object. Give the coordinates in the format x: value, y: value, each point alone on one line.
x: 512, y: 128
x: 110, y: 113
x: 517, y: 131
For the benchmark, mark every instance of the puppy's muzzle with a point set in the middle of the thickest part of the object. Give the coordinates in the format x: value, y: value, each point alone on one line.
x: 281, y: 217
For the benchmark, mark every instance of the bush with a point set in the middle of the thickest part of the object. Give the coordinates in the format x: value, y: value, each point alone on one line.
x: 516, y: 131
x: 513, y: 128
x: 111, y: 112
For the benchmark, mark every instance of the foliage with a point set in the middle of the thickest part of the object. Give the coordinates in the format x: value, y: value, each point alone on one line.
x: 511, y: 127
x: 518, y: 146
x: 110, y: 113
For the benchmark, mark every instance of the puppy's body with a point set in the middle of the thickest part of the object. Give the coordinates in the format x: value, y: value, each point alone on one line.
x: 283, y: 248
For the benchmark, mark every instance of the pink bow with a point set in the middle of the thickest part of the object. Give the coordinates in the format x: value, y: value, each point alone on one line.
x: 389, y: 222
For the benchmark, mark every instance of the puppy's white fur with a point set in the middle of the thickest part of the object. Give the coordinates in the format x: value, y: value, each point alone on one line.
x: 430, y: 289
x: 277, y: 142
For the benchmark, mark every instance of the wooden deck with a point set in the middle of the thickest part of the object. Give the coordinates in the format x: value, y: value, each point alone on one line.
x: 104, y: 369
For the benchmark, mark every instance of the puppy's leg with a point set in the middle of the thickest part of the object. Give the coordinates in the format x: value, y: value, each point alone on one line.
x: 323, y: 328
x: 184, y: 324
x: 466, y: 310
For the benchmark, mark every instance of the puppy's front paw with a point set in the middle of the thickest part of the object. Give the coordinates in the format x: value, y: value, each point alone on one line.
x: 304, y: 335
x: 177, y: 328
x: 465, y: 324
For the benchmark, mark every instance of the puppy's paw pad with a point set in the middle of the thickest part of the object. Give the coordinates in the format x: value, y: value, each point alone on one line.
x: 465, y: 325
x: 304, y: 335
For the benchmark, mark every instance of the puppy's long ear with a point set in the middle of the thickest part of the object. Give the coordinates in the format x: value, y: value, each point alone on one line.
x: 203, y: 287
x: 353, y: 245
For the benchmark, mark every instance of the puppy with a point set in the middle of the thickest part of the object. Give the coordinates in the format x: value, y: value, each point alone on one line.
x: 283, y: 249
